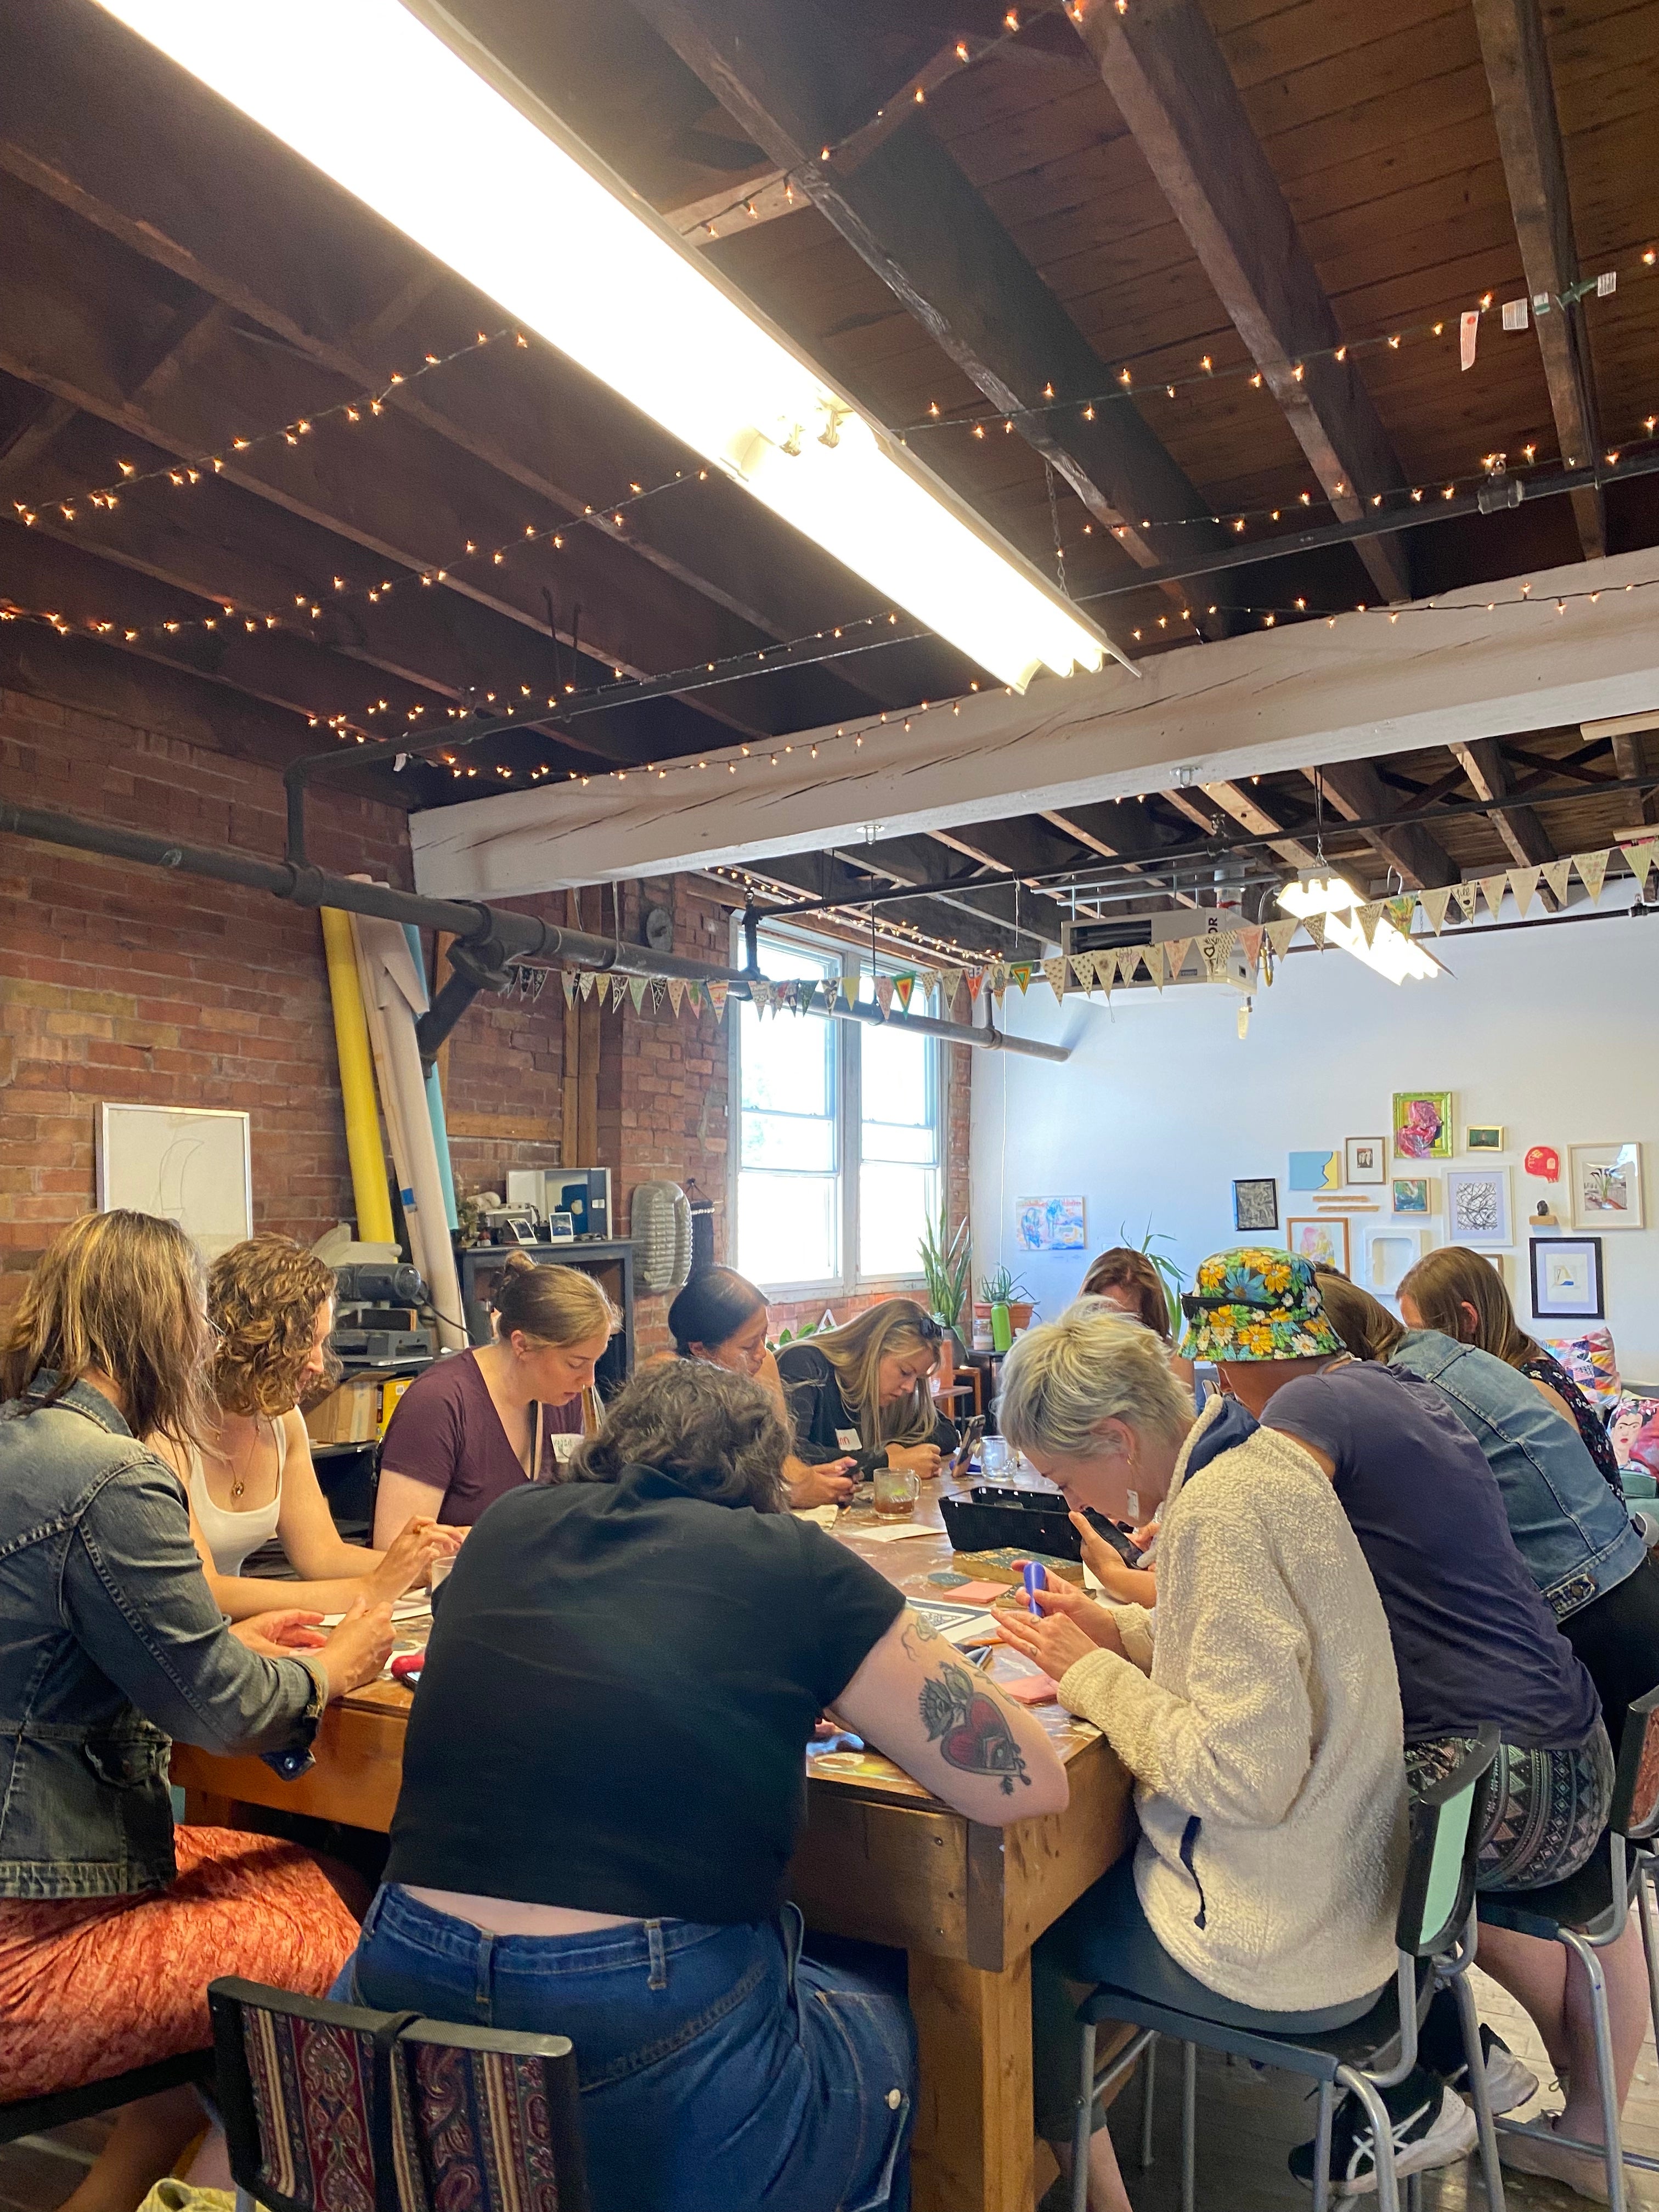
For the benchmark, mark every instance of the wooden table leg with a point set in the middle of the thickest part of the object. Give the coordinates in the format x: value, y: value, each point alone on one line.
x: 972, y: 2149
x: 203, y: 1809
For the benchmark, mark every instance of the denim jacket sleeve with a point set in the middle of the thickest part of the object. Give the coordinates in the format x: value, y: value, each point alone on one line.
x: 133, y: 1594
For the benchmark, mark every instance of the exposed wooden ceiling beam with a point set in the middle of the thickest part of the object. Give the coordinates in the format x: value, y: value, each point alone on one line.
x: 1163, y: 67
x: 785, y: 75
x: 1200, y: 817
x: 1513, y: 47
x: 1032, y: 915
x: 826, y: 875
x: 1248, y: 810
x: 1360, y: 794
x: 1266, y: 702
x: 1631, y: 757
x: 1482, y: 761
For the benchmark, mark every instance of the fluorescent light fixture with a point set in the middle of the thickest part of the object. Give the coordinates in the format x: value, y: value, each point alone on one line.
x: 429, y: 131
x: 1391, y: 952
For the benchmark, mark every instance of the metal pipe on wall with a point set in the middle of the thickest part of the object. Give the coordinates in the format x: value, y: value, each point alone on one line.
x: 494, y: 936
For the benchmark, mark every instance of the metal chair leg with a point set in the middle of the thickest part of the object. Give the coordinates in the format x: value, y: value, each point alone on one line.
x: 1081, y: 2125
x: 1613, y: 2147
x: 1321, y: 2181
x: 1414, y: 2192
x: 1188, y: 2127
x: 1148, y: 2091
x: 1649, y: 1936
x: 1388, y: 2187
x: 1490, y: 2172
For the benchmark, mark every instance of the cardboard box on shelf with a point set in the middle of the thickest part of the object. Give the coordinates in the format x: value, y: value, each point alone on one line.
x: 349, y: 1415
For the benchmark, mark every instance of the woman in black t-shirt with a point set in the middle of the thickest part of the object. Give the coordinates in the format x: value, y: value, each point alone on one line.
x: 604, y: 1783
x: 862, y: 1391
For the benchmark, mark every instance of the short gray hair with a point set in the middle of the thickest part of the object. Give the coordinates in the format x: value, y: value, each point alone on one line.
x: 1093, y: 1364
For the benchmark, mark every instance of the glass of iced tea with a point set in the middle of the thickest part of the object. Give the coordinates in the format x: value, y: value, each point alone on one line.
x: 895, y: 1493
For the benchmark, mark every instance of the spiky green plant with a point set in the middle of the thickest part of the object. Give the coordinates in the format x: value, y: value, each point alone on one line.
x: 945, y: 1265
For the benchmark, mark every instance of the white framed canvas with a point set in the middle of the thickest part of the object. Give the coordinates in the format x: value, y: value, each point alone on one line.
x: 1478, y: 1211
x: 1606, y: 1187
x: 1365, y: 1159
x: 1391, y: 1254
x: 192, y: 1164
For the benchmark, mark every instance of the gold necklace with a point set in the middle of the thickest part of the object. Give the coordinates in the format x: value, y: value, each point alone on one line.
x: 238, y: 1482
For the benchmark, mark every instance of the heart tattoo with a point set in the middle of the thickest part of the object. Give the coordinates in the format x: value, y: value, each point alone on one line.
x: 971, y: 1729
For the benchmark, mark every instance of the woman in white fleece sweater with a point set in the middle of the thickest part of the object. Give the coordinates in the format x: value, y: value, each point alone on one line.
x: 1265, y: 1740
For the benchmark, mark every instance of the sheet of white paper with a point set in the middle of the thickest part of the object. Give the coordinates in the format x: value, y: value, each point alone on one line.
x: 892, y: 1532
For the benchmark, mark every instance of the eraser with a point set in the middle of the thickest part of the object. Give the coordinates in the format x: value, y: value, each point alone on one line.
x: 1032, y: 1690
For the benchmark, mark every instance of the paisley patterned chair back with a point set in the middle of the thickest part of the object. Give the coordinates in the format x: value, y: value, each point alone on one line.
x: 331, y: 2108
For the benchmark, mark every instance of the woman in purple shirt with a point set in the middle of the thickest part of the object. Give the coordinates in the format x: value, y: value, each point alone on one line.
x: 483, y: 1423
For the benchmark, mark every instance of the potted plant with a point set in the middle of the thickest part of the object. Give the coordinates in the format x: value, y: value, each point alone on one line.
x: 1002, y: 1287
x: 945, y: 1262
x: 1167, y: 1274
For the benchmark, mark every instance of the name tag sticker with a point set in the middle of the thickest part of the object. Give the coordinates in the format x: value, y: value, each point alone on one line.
x: 849, y: 1440
x: 564, y: 1445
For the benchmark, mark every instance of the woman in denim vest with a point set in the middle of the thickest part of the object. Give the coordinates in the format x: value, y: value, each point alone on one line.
x: 111, y: 1922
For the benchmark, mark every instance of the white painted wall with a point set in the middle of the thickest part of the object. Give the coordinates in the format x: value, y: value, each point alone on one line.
x: 1553, y: 1032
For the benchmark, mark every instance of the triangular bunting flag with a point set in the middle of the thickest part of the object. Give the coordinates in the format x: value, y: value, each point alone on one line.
x: 928, y: 980
x: 717, y: 996
x: 586, y: 982
x: 1400, y: 911
x: 903, y: 987
x: 1641, y: 857
x: 569, y: 982
x: 1315, y: 925
x: 1523, y: 882
x: 1468, y: 897
x: 1251, y: 941
x: 1215, y: 949
x: 694, y: 992
x: 885, y: 987
x: 1556, y: 877
x: 1368, y: 913
x: 636, y: 988
x: 1592, y: 872
x: 659, y: 992
x: 1492, y: 889
x: 1153, y: 960
x: 1434, y: 904
x: 1021, y: 972
x: 997, y: 976
x: 676, y: 993
x: 1054, y: 974
x: 760, y: 994
x: 1175, y: 955
x: 1083, y: 969
x: 1278, y: 935
x: 949, y: 987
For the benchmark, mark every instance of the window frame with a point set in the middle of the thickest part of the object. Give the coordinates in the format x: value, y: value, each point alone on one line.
x: 846, y: 1061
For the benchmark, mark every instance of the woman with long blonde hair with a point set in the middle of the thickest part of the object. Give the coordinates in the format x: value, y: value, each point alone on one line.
x: 250, y: 1476
x: 111, y: 1921
x: 863, y: 1392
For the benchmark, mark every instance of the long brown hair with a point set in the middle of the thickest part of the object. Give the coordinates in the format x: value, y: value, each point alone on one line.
x: 120, y: 1293
x: 551, y: 1304
x: 1443, y: 1282
x: 1124, y: 1269
x: 264, y: 1296
x: 897, y: 1327
x: 1365, y: 1326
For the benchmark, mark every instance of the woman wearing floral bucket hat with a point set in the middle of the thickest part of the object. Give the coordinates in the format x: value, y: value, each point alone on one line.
x: 1267, y: 1745
x: 1475, y: 1638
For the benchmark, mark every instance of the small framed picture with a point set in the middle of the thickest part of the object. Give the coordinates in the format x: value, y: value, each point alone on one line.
x: 1478, y: 1206
x: 1365, y: 1159
x: 1323, y: 1241
x: 1256, y: 1203
x: 1606, y: 1187
x: 1413, y: 1195
x: 1422, y: 1125
x: 1484, y: 1137
x: 1567, y: 1277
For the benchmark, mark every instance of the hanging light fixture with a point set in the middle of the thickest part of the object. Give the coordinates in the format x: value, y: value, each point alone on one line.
x: 407, y: 111
x: 1392, y: 952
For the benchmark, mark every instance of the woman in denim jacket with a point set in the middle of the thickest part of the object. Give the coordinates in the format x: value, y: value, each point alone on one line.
x: 112, y: 1924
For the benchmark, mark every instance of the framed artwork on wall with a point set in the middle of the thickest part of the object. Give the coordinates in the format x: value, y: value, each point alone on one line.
x: 1051, y: 1224
x: 1256, y: 1203
x: 1367, y: 1160
x: 1413, y: 1195
x: 1422, y: 1125
x: 1484, y: 1137
x: 1323, y: 1241
x: 1567, y: 1277
x: 1606, y: 1187
x: 1320, y: 1170
x: 1478, y: 1206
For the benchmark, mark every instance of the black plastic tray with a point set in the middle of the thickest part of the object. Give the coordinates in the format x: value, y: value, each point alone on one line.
x: 992, y: 1516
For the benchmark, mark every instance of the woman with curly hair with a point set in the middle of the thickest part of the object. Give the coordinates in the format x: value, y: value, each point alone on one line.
x: 271, y: 1306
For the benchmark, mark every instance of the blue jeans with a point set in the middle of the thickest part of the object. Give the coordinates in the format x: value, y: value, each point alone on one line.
x: 719, y: 2070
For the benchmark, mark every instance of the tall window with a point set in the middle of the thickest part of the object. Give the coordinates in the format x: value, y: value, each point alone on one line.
x: 840, y: 1141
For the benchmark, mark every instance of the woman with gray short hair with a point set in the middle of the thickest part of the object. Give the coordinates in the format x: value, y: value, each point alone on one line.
x: 1262, y: 1725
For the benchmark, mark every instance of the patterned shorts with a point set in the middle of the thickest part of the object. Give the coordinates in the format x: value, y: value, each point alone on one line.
x: 1543, y: 1812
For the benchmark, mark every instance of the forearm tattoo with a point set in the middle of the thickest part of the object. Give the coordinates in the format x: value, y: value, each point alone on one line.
x: 970, y: 1729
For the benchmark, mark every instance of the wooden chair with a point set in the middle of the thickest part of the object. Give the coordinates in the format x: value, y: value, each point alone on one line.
x: 328, y: 2105
x: 33, y: 2116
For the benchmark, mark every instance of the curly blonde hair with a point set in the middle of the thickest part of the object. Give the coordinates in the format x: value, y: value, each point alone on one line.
x: 264, y: 1296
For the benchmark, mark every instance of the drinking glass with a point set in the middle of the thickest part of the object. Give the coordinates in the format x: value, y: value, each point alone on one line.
x: 994, y: 1458
x: 896, y: 1489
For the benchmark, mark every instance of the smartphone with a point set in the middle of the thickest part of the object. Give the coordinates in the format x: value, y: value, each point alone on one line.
x: 1127, y: 1550
x: 964, y: 1450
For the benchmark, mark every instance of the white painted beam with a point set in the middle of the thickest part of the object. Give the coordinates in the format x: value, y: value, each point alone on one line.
x: 1287, y: 698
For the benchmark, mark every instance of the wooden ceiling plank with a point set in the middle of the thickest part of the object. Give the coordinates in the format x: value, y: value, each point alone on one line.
x: 1512, y: 44
x: 911, y: 213
x: 1360, y: 794
x: 1528, y: 843
x: 1631, y: 757
x: 1247, y: 808
x: 1165, y: 70
x: 1032, y: 919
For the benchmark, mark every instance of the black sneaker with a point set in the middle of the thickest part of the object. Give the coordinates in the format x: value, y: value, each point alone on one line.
x: 1430, y: 2127
x: 1509, y: 2082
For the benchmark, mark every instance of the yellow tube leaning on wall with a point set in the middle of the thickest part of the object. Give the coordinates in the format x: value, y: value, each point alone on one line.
x: 356, y: 1082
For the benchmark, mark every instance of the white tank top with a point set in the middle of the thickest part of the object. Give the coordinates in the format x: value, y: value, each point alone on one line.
x: 231, y: 1536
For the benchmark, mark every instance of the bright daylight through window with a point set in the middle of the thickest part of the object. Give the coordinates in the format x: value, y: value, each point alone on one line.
x: 840, y: 1144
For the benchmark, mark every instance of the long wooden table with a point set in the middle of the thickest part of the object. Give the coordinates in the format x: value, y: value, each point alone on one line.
x: 880, y: 1860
